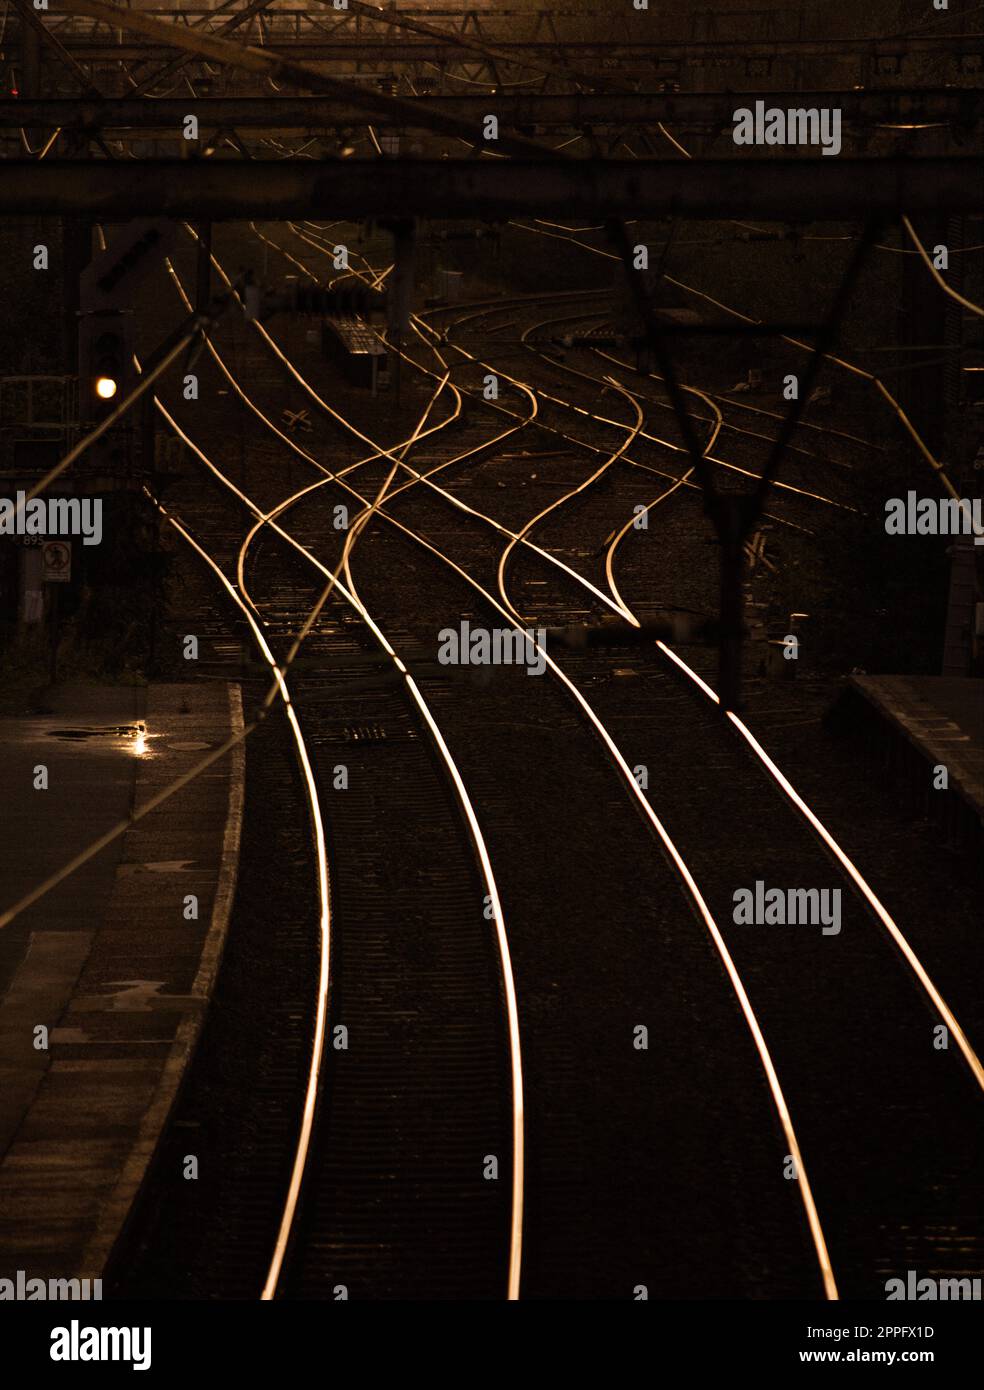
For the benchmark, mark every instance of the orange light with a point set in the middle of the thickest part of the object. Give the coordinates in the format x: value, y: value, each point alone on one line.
x: 106, y: 388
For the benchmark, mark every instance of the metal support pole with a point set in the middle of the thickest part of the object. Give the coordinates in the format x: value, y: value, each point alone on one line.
x: 922, y: 319
x: 76, y: 255
x: 53, y: 628
x: 203, y: 283
x: 401, y: 288
x: 30, y: 76
x: 732, y: 514
x: 148, y: 441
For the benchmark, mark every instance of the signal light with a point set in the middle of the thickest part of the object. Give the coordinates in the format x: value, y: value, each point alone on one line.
x: 105, y: 355
x: 108, y: 365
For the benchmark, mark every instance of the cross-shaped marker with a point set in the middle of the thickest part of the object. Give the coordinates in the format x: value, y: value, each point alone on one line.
x: 296, y: 418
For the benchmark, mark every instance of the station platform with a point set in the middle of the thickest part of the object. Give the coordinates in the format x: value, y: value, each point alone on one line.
x: 117, y: 963
x: 915, y: 724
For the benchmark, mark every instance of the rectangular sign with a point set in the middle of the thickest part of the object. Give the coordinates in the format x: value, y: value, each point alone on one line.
x: 56, y: 562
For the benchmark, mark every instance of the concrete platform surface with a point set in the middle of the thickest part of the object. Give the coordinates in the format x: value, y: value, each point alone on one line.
x: 117, y: 963
x: 942, y: 717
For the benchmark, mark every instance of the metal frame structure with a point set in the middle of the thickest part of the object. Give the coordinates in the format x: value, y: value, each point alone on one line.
x: 786, y: 190
x: 527, y: 179
x: 501, y: 45
x: 688, y: 111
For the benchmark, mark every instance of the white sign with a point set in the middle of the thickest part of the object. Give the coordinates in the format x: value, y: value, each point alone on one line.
x: 56, y: 562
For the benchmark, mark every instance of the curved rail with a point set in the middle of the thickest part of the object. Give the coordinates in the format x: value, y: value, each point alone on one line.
x: 692, y: 891
x: 303, y: 1149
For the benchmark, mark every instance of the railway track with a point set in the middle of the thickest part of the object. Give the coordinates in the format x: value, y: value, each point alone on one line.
x: 554, y: 1254
x: 621, y: 494
x: 556, y: 1260
x: 879, y: 391
x: 431, y: 1084
x: 890, y: 1241
x: 420, y: 1091
x: 456, y: 1038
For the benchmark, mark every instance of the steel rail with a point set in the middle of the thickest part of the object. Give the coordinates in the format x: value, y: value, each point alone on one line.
x: 313, y: 1085
x: 461, y: 792
x: 666, y: 405
x: 858, y: 880
x: 536, y: 392
x: 262, y: 519
x: 643, y: 434
x: 692, y: 890
x: 937, y: 466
